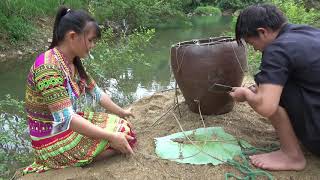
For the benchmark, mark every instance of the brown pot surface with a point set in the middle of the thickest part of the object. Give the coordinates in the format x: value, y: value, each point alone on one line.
x: 198, y: 64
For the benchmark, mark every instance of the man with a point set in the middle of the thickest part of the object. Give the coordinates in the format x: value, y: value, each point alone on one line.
x: 288, y: 84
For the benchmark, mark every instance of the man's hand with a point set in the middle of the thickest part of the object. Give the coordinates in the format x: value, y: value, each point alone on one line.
x: 264, y: 99
x: 253, y: 88
x: 239, y: 93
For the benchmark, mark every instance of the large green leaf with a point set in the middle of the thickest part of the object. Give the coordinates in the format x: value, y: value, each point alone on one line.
x: 209, y: 145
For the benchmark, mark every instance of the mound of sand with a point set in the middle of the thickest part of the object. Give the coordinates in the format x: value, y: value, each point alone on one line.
x: 242, y: 122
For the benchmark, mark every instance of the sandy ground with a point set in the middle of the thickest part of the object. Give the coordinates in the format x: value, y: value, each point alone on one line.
x: 242, y: 122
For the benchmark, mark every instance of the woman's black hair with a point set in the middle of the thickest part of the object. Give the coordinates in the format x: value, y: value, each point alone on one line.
x: 258, y: 16
x: 72, y: 20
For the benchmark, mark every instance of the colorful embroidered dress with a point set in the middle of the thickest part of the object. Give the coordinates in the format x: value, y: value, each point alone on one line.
x: 52, y: 98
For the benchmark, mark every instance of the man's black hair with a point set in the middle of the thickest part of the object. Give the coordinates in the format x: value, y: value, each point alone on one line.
x: 258, y: 16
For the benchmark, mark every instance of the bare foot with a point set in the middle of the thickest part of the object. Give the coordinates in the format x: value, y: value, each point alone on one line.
x: 278, y: 160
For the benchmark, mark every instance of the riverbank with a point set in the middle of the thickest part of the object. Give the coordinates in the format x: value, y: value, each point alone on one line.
x: 242, y: 122
x: 39, y: 41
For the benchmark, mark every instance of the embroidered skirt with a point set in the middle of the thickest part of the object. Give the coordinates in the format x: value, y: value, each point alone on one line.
x: 70, y: 148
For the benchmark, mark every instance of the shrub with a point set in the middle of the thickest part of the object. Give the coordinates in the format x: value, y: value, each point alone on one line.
x: 14, y: 144
x: 230, y: 4
x: 147, y: 13
x: 18, y: 29
x: 297, y: 13
x: 112, y: 53
x: 17, y: 16
x: 207, y: 10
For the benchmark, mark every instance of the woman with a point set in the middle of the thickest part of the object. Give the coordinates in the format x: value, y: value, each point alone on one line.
x: 62, y: 134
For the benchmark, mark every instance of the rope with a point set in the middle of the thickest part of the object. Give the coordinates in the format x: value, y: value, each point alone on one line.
x: 172, y: 107
x: 244, y: 166
x: 237, y: 59
x: 199, y: 108
x: 176, y: 100
x: 182, y: 58
x: 156, y: 157
x: 196, y: 146
x: 197, y: 43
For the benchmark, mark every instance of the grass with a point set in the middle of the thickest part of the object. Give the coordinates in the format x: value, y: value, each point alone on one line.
x: 17, y: 17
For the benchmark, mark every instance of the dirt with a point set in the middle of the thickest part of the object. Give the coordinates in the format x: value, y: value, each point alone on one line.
x: 39, y: 41
x: 241, y: 122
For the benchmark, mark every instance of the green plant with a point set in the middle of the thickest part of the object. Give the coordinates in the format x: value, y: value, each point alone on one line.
x: 254, y: 60
x: 114, y: 58
x: 17, y: 17
x: 207, y: 10
x: 297, y: 13
x: 147, y: 13
x: 230, y: 4
x: 14, y: 145
x: 18, y: 29
x: 3, y: 23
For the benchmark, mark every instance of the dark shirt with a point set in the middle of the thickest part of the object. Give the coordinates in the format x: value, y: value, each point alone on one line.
x: 292, y: 60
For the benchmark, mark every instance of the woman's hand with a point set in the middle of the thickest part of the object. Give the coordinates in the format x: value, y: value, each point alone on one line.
x: 126, y: 113
x: 119, y: 141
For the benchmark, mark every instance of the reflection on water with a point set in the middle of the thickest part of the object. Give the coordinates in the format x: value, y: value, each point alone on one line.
x: 13, y: 74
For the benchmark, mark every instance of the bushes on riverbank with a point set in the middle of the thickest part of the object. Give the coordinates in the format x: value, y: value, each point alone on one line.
x: 136, y: 13
x: 207, y: 10
x: 15, y: 146
x: 17, y: 17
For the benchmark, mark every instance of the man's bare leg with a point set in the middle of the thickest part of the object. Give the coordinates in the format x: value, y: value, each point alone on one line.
x: 290, y: 156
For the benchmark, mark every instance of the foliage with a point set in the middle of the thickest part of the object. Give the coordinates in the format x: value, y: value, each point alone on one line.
x: 147, y: 13
x: 17, y: 17
x: 111, y: 55
x: 14, y: 144
x: 207, y: 10
x: 311, y: 4
x: 36, y: 8
x: 231, y: 4
x: 18, y: 29
x: 254, y: 58
x: 297, y: 13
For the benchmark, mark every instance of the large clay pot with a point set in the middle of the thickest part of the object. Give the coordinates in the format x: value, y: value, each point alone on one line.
x: 198, y: 64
